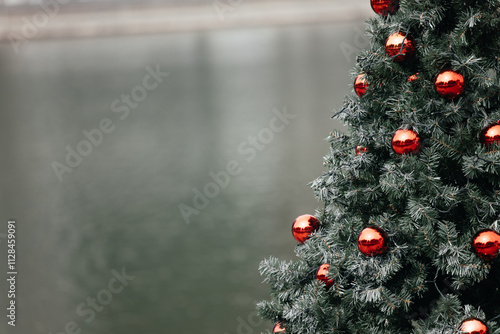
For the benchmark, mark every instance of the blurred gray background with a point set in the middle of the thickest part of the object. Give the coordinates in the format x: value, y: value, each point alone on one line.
x: 118, y: 210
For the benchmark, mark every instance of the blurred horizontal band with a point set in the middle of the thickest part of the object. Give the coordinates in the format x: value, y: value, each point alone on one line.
x: 64, y: 19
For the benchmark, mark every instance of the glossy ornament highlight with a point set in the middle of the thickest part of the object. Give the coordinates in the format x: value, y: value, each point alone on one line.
x: 372, y: 241
x: 360, y: 84
x: 361, y: 149
x: 486, y: 244
x: 322, y: 275
x: 413, y: 78
x: 405, y: 142
x: 449, y: 84
x: 278, y: 328
x: 490, y: 135
x: 400, y: 46
x: 303, y: 226
x: 385, y: 7
x: 473, y: 326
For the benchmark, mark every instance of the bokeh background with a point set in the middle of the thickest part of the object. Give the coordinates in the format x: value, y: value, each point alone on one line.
x: 230, y: 64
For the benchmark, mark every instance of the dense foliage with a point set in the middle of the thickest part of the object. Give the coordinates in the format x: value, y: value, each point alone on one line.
x: 430, y: 204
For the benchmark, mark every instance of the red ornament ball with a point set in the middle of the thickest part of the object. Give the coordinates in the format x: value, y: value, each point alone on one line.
x: 361, y: 149
x: 360, y: 84
x: 400, y: 46
x: 385, y: 7
x: 490, y: 135
x: 322, y: 275
x: 372, y: 241
x: 449, y: 84
x: 413, y: 78
x: 278, y: 329
x: 486, y: 244
x: 473, y: 326
x: 303, y: 226
x: 405, y: 142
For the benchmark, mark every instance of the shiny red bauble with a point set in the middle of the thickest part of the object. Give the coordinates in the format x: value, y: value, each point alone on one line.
x: 303, y: 226
x: 361, y: 149
x: 400, y: 46
x: 486, y: 244
x: 473, y: 326
x: 449, y: 84
x: 322, y: 275
x: 413, y: 78
x: 385, y: 7
x: 405, y: 142
x: 278, y: 328
x: 373, y: 241
x: 490, y: 135
x: 360, y: 84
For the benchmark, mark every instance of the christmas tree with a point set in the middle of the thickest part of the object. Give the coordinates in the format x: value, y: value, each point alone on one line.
x: 407, y: 239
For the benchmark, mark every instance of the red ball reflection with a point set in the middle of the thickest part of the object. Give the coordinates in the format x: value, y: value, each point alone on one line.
x: 385, y: 7
x: 449, y: 84
x: 372, y: 241
x: 360, y: 84
x: 278, y: 329
x: 490, y: 135
x: 322, y: 275
x: 405, y: 142
x: 413, y: 78
x: 361, y: 149
x: 473, y: 326
x: 400, y: 46
x: 486, y: 244
x: 303, y: 226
